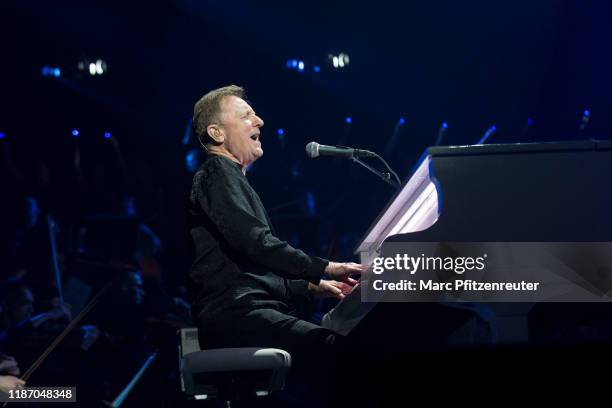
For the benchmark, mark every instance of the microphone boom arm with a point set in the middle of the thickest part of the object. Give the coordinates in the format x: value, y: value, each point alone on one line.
x: 386, y: 177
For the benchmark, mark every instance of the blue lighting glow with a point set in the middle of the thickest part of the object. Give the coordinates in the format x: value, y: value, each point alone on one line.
x: 301, y: 66
x: 316, y: 68
x: 310, y: 203
x: 529, y: 121
x: 444, y: 125
x: 192, y: 160
x: 493, y: 128
x: 75, y: 133
x: 348, y: 119
x: 50, y: 71
x: 586, y: 113
x: 294, y: 63
x: 107, y: 135
x: 402, y: 121
x: 2, y: 135
x: 280, y: 132
x: 295, y: 170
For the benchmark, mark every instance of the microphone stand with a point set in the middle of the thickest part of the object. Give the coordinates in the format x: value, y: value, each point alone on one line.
x: 386, y: 177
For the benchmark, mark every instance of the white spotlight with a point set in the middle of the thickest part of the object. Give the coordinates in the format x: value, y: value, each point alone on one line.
x: 92, y: 68
x: 99, y: 69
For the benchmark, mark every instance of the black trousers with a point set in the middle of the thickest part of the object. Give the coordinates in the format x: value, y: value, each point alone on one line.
x: 265, y: 327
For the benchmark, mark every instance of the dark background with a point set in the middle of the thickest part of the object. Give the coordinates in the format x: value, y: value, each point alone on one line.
x: 473, y: 64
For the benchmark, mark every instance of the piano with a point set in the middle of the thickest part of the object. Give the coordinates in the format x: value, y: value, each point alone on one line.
x: 535, y: 192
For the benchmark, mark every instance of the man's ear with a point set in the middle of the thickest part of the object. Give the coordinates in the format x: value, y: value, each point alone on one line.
x: 215, y: 133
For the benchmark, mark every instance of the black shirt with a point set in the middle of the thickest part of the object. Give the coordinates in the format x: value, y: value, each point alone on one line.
x: 239, y: 263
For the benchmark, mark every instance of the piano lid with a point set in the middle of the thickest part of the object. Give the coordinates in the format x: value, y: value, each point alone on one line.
x: 417, y: 206
x: 414, y: 208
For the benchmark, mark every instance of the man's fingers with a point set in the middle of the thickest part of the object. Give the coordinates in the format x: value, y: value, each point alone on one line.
x: 351, y: 281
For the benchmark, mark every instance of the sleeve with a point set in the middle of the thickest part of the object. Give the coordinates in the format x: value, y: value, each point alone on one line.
x: 297, y: 291
x: 221, y: 194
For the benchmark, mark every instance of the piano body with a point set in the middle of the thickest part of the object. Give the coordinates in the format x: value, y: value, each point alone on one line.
x: 540, y: 192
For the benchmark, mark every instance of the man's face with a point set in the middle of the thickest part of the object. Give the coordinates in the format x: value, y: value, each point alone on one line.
x: 241, y: 127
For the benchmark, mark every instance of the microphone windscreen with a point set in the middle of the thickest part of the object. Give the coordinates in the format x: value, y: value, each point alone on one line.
x: 312, y: 150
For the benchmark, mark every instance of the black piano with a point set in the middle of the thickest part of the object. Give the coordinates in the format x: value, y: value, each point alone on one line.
x: 541, y: 192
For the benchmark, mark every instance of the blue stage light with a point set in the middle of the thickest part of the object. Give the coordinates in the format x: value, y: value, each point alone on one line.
x: 444, y: 125
x: 402, y: 121
x: 311, y: 203
x: 586, y: 113
x: 2, y: 135
x: 529, y: 121
x: 192, y: 159
x: 301, y: 66
x: 280, y: 132
x: 107, y: 135
x: 348, y: 119
x: 316, y: 68
x: 294, y: 63
x: 75, y: 133
x: 50, y: 71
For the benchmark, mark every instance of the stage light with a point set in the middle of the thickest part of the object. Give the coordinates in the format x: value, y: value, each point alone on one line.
x: 316, y: 69
x: 348, y: 119
x: 51, y: 71
x: 2, y: 135
x: 192, y: 159
x: 75, y: 133
x: 97, y: 67
x: 280, y: 132
x: 487, y: 134
x: 402, y: 121
x: 529, y: 121
x: 100, y: 65
x: 444, y: 125
x: 339, y: 61
x: 311, y: 203
x: 300, y: 66
x: 107, y: 135
x: 586, y: 113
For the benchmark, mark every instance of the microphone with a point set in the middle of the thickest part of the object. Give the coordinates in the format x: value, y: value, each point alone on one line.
x: 313, y: 149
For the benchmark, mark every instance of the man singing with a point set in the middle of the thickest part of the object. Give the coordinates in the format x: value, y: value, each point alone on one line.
x: 250, y: 283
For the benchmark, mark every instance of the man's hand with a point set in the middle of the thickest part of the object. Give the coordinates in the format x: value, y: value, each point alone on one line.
x: 329, y: 288
x: 342, y: 272
x: 8, y: 365
x: 8, y: 382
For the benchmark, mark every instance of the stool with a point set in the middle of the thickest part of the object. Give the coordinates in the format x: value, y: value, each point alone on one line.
x: 229, y: 373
